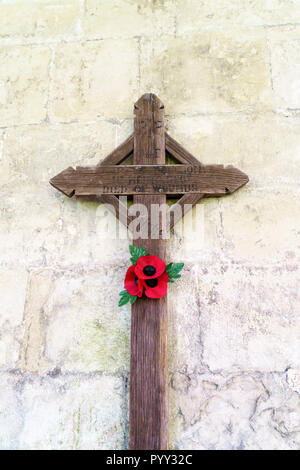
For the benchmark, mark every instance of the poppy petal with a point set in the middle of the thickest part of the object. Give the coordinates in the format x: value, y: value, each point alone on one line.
x: 132, y: 283
x: 156, y: 264
x: 160, y: 289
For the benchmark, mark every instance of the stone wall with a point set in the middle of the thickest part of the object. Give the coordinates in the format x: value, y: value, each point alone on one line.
x: 228, y: 72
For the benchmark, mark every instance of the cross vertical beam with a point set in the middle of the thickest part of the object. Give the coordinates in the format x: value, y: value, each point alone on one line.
x: 149, y: 322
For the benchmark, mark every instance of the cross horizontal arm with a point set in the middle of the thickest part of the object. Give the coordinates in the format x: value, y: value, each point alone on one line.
x: 210, y: 180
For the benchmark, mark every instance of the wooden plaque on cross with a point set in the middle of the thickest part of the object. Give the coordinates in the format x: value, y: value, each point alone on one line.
x: 149, y: 180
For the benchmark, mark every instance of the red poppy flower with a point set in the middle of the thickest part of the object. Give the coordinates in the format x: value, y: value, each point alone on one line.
x: 149, y: 267
x: 155, y: 288
x: 133, y: 285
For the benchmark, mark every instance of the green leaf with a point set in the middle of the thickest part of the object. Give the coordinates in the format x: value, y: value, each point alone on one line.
x: 171, y: 280
x: 177, y: 267
x: 173, y: 270
x: 136, y: 253
x: 124, y: 299
x: 132, y: 250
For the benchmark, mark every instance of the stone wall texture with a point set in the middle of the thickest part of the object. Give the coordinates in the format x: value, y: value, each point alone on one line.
x: 228, y: 73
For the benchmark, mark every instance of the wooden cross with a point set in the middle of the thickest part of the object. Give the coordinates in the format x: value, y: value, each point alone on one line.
x: 149, y: 180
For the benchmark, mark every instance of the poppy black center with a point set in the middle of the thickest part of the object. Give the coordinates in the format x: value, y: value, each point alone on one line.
x: 136, y: 280
x: 151, y: 282
x: 149, y: 270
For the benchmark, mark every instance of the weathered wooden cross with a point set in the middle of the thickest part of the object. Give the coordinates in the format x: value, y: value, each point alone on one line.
x: 149, y: 180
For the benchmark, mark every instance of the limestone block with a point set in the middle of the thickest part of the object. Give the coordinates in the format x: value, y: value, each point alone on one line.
x: 123, y: 129
x: 29, y: 224
x: 11, y: 418
x: 195, y: 14
x: 276, y: 419
x: 286, y: 71
x: 197, y: 237
x: 12, y: 287
x: 223, y: 420
x: 93, y: 79
x: 88, y: 234
x: 70, y: 230
x: 123, y: 19
x: 233, y: 317
x: 2, y: 139
x: 87, y: 331
x: 241, y: 412
x: 29, y: 20
x: 264, y: 146
x: 79, y: 412
x: 249, y: 317
x: 32, y: 352
x: 208, y: 72
x: 23, y: 96
x: 293, y: 379
x: 261, y: 226
x: 34, y: 154
x: 185, y: 347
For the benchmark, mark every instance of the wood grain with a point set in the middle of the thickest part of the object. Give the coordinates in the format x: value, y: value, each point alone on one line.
x: 182, y: 207
x: 120, y: 154
x: 179, y: 153
x: 116, y: 207
x: 148, y: 369
x: 211, y: 180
